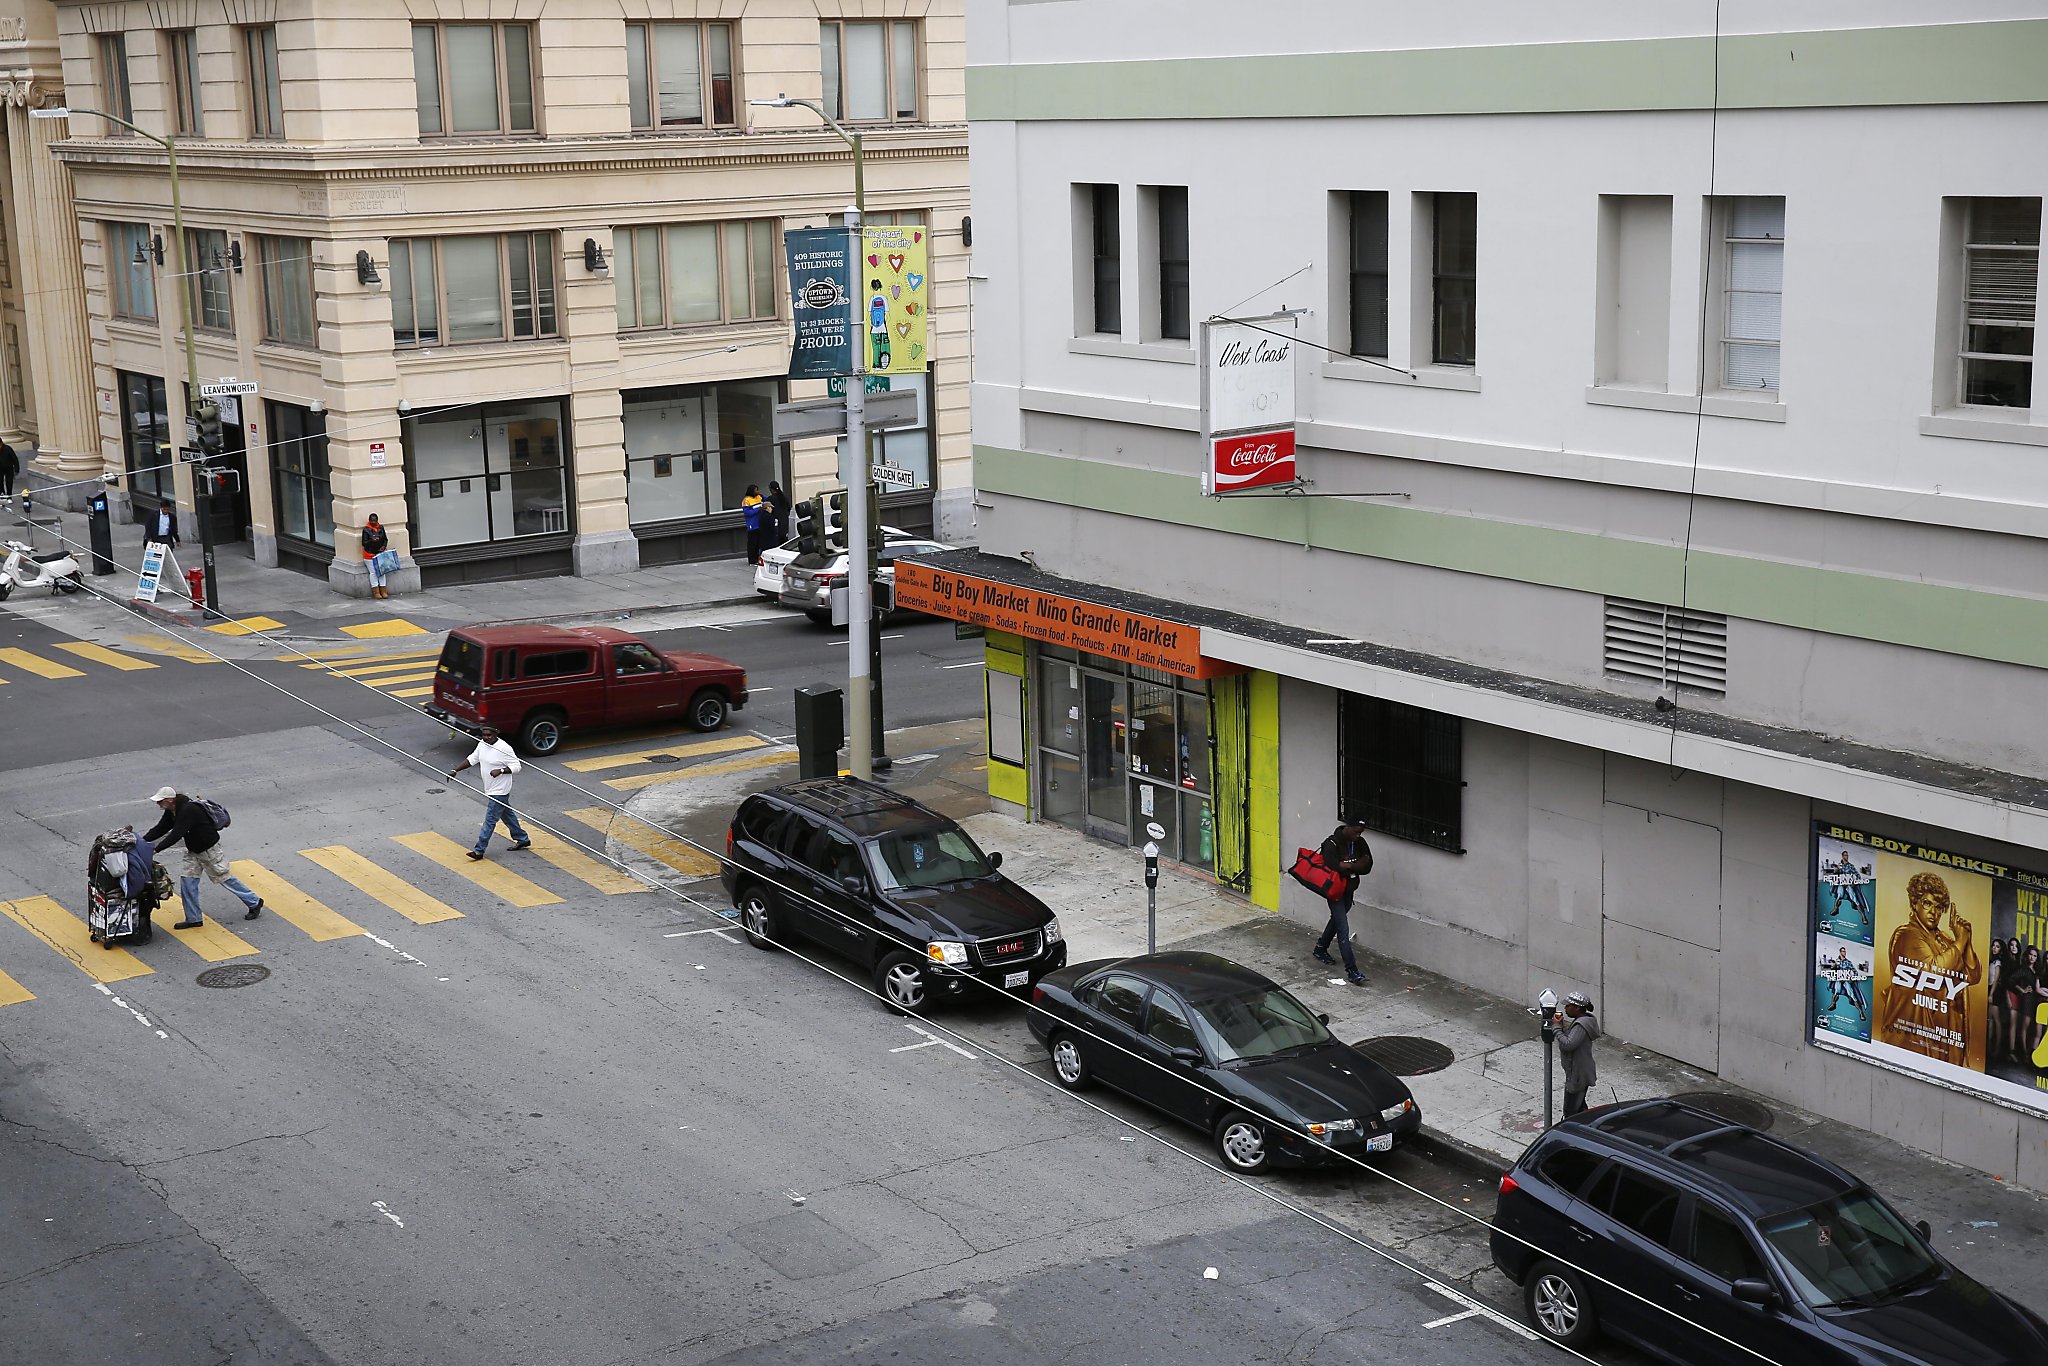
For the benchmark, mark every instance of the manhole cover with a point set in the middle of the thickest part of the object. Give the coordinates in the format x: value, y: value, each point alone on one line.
x: 664, y: 758
x: 1733, y: 1108
x: 234, y: 975
x: 1405, y: 1055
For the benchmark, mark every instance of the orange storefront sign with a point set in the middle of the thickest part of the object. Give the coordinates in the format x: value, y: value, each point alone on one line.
x: 1169, y: 646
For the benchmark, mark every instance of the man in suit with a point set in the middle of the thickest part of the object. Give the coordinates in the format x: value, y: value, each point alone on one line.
x: 161, y: 525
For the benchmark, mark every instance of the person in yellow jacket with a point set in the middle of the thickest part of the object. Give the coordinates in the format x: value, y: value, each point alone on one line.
x: 754, y: 509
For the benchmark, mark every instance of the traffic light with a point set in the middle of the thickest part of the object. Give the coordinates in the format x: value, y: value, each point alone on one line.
x: 211, y: 439
x: 810, y: 526
x: 875, y: 520
x: 835, y: 519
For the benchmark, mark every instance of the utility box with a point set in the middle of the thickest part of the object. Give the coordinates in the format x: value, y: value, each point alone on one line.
x: 820, y: 731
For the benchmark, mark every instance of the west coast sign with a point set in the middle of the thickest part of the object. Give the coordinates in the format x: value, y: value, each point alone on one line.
x: 1248, y: 403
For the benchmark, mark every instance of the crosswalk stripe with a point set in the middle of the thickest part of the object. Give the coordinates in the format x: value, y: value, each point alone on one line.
x: 100, y: 654
x: 176, y: 649
x: 68, y: 935
x: 247, y: 626
x: 215, y: 942
x: 13, y: 993
x: 721, y: 745
x: 394, y: 891
x: 396, y: 679
x: 293, y: 906
x: 501, y: 882
x: 638, y: 835
x: 640, y: 781
x: 577, y: 864
x: 413, y: 692
x: 36, y: 664
x: 356, y: 668
x: 377, y: 630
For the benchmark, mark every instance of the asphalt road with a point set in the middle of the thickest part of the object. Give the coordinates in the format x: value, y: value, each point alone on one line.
x: 519, y: 1113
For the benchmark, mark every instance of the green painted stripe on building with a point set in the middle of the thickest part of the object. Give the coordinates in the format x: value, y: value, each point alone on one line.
x: 1959, y: 621
x: 1998, y: 62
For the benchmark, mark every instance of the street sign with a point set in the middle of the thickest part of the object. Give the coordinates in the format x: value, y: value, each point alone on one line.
x: 191, y: 455
x: 893, y: 476
x: 835, y: 387
x: 897, y: 408
x: 812, y: 417
x: 227, y: 388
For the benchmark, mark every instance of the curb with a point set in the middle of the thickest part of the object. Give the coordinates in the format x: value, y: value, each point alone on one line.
x: 617, y: 613
x: 1456, y: 1152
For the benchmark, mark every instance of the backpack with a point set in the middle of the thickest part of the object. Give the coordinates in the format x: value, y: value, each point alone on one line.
x: 160, y: 889
x: 215, y: 812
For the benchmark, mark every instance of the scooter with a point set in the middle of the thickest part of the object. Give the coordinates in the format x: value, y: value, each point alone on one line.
x: 24, y: 568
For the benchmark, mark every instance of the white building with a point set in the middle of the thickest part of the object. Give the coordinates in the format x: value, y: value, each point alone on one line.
x: 1704, y: 373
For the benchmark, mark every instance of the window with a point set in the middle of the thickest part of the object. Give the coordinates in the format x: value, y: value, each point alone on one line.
x: 557, y: 664
x: 679, y: 75
x: 266, y: 94
x: 2001, y: 281
x: 111, y: 54
x: 905, y: 447
x: 299, y: 475
x: 1101, y: 228
x: 1167, y: 1024
x: 1752, y: 290
x: 285, y: 265
x: 694, y: 274
x: 1632, y: 292
x: 473, y: 78
x: 1454, y: 278
x: 870, y: 70
x: 1369, y: 273
x: 1400, y: 770
x: 489, y: 472
x: 1170, y: 204
x: 146, y: 440
x: 1638, y: 1202
x: 131, y: 279
x: 1568, y: 1168
x: 472, y: 289
x: 635, y: 659
x: 691, y: 450
x: 1720, y: 1248
x: 206, y: 279
x: 1122, y: 999
x: 181, y: 54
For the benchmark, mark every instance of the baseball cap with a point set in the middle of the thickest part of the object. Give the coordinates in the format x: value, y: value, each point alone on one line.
x: 164, y: 794
x: 1579, y: 998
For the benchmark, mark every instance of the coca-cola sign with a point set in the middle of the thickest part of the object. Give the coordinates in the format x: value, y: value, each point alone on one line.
x: 1251, y: 460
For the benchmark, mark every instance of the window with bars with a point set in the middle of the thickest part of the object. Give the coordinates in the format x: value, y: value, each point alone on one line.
x: 181, y: 55
x: 2001, y: 281
x: 1368, y: 273
x: 111, y: 55
x: 1170, y: 213
x: 471, y: 79
x: 1454, y: 279
x: 679, y: 75
x: 266, y: 91
x: 1752, y: 291
x: 472, y: 289
x: 285, y: 267
x: 870, y: 70
x: 206, y: 279
x: 1400, y: 770
x: 694, y: 274
x: 131, y: 283
x: 1668, y: 646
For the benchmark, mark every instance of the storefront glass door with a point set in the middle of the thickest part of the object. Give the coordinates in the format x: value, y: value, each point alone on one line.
x: 1105, y: 710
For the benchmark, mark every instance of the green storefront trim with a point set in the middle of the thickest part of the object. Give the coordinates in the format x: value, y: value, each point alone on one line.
x: 1998, y: 62
x: 1958, y: 621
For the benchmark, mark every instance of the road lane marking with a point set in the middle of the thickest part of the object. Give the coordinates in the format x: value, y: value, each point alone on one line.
x: 105, y: 991
x: 378, y: 630
x: 718, y: 930
x: 417, y: 676
x: 641, y: 781
x: 68, y: 935
x: 293, y: 906
x: 36, y: 664
x: 498, y: 881
x: 312, y: 660
x: 214, y: 942
x: 635, y: 834
x: 385, y: 1210
x: 176, y: 649
x: 577, y: 864
x: 930, y: 1039
x: 1493, y: 1314
x: 723, y: 744
x: 1458, y: 1317
x: 970, y: 664
x: 100, y: 654
x: 247, y: 626
x: 412, y: 692
x: 374, y: 664
x: 13, y: 993
x: 394, y: 891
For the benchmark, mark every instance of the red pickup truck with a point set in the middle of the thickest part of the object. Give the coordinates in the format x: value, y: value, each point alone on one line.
x: 538, y: 683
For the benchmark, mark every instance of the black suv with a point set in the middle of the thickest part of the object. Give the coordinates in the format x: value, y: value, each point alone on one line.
x: 890, y: 883
x: 1702, y: 1241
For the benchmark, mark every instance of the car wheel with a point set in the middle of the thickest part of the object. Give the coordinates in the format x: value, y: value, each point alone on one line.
x: 901, y: 982
x: 1069, y: 1068
x: 1554, y: 1298
x: 757, y: 918
x: 707, y: 709
x: 817, y: 618
x: 542, y: 733
x: 6, y: 587
x: 1242, y: 1143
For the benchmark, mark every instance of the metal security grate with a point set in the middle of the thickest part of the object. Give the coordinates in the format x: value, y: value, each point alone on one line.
x: 1668, y: 646
x: 1405, y: 1055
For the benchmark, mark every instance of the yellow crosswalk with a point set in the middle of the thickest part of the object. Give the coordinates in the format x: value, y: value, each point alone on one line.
x: 67, y: 934
x: 723, y: 744
x: 640, y: 781
x: 606, y: 877
x: 28, y: 661
x: 635, y: 834
x: 175, y: 648
x: 363, y: 668
x: 394, y: 891
x: 497, y: 880
x: 212, y: 941
x: 100, y: 654
x: 13, y: 993
x: 292, y: 905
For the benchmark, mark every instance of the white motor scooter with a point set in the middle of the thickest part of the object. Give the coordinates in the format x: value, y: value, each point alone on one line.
x: 24, y: 568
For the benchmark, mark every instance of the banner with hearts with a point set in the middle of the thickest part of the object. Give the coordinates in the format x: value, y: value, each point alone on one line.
x: 896, y: 262
x: 914, y: 280
x: 891, y: 307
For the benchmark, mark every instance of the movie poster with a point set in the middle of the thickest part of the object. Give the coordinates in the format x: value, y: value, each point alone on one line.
x: 1931, y: 961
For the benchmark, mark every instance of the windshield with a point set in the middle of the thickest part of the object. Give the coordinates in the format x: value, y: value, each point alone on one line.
x: 1257, y: 1024
x: 930, y: 857
x: 1848, y: 1250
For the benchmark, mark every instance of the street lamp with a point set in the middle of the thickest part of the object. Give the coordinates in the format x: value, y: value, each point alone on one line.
x: 202, y: 500
x: 867, y: 749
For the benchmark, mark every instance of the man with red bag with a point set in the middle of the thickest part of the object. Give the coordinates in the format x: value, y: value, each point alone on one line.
x: 1347, y: 852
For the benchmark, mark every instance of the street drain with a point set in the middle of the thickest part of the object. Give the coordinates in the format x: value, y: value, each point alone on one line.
x: 1406, y: 1056
x: 234, y: 975
x: 664, y: 758
x: 1735, y: 1109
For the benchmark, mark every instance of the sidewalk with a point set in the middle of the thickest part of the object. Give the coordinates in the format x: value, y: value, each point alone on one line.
x: 1486, y: 1105
x: 304, y: 606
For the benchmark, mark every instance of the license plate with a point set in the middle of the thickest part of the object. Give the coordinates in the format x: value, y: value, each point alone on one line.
x: 1013, y: 980
x: 1380, y: 1143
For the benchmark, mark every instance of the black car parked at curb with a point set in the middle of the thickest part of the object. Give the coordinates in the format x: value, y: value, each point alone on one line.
x: 890, y: 883
x: 1227, y: 1050
x: 1702, y: 1241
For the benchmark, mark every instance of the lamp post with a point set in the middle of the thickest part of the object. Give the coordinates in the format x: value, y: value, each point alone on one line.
x: 201, y: 492
x: 867, y: 749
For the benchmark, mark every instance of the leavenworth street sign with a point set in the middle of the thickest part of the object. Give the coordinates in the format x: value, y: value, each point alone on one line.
x: 227, y: 388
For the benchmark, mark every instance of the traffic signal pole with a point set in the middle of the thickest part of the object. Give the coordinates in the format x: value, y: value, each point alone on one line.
x: 860, y: 560
x: 881, y: 760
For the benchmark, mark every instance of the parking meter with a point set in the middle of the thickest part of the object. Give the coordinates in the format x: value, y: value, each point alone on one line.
x: 102, y: 532
x: 1151, y: 898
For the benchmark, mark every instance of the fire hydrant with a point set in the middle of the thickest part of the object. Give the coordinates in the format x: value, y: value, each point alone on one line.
x: 195, y: 586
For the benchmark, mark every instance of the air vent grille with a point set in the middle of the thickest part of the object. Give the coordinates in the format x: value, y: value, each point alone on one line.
x: 1666, y: 645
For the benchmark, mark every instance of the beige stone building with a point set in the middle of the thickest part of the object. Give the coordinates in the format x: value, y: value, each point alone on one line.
x: 507, y: 273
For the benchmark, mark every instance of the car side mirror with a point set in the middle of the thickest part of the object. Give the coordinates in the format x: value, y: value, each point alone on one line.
x: 995, y: 860
x: 1322, y: 1019
x: 1190, y: 1056
x: 1753, y: 1291
x: 853, y: 882
x: 1926, y: 1233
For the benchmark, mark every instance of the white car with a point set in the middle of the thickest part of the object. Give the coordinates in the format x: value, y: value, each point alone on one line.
x: 811, y: 579
x: 768, y: 573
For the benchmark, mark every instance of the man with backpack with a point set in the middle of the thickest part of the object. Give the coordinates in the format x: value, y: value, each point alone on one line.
x: 198, y: 822
x: 1347, y: 852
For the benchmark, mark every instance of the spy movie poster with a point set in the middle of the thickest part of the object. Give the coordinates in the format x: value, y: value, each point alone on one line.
x: 1931, y: 961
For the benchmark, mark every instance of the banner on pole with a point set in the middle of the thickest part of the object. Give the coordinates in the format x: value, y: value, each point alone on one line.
x: 1247, y: 404
x: 820, y: 265
x: 895, y: 299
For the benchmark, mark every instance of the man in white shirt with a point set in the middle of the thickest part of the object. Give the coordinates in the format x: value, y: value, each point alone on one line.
x: 495, y: 760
